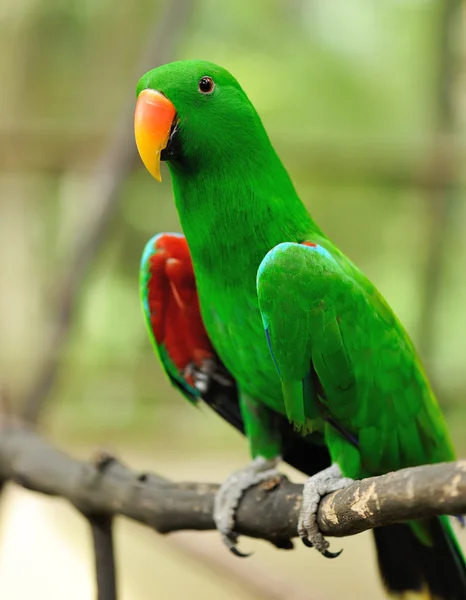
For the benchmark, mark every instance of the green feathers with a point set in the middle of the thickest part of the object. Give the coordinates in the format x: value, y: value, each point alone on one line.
x: 333, y: 356
x: 323, y: 319
x: 301, y: 329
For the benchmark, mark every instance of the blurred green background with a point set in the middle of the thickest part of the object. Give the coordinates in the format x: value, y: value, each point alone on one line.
x: 366, y: 104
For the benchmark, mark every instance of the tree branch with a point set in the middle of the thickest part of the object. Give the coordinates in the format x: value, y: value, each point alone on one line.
x: 269, y: 512
x: 102, y: 536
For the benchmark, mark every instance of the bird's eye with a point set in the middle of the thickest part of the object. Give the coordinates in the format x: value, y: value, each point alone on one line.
x: 206, y: 85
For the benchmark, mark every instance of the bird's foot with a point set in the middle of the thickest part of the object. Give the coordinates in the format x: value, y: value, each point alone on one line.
x: 201, y: 376
x: 327, y: 481
x: 232, y: 490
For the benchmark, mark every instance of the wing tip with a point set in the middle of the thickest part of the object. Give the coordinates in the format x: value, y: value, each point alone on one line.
x: 150, y: 247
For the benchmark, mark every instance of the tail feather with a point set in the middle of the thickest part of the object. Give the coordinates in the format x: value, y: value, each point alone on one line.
x: 435, y: 572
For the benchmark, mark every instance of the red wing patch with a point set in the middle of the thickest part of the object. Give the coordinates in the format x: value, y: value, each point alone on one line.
x: 311, y: 244
x: 174, y: 304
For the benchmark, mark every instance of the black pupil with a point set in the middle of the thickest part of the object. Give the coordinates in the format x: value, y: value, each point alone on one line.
x: 206, y: 84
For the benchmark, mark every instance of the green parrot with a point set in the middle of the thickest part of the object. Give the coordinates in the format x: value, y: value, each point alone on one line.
x: 303, y: 333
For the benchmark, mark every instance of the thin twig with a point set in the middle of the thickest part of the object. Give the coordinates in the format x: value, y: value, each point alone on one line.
x: 102, y: 535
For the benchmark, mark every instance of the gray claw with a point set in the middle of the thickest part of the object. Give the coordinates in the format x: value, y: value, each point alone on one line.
x: 327, y: 481
x: 230, y: 493
x: 231, y: 542
x: 329, y: 554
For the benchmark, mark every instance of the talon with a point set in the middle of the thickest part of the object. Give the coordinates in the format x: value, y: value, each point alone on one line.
x: 327, y: 481
x: 229, y: 496
x: 231, y: 540
x: 234, y: 550
x: 329, y: 554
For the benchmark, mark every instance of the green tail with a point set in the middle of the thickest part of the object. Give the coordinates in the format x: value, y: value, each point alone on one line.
x: 438, y: 571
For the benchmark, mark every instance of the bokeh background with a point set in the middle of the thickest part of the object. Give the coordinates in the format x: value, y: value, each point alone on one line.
x: 366, y: 104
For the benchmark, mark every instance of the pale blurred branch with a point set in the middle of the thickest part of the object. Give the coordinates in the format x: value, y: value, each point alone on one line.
x: 402, y: 161
x: 441, y: 186
x: 117, y: 160
x: 270, y: 511
x: 256, y: 578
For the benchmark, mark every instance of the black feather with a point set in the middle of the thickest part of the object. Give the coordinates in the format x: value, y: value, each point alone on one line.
x: 407, y: 564
x: 305, y: 453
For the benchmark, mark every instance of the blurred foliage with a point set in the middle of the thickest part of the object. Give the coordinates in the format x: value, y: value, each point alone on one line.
x: 349, y: 87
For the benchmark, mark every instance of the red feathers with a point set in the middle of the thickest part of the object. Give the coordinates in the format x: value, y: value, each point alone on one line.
x: 311, y: 244
x: 174, y: 304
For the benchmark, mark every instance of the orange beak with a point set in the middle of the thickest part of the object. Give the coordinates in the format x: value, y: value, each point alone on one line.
x: 153, y: 119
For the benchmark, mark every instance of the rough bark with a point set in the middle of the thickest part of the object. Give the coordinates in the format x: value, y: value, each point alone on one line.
x: 106, y: 486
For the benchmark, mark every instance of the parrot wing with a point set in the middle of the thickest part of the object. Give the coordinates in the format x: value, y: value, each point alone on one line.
x: 171, y: 310
x: 345, y: 361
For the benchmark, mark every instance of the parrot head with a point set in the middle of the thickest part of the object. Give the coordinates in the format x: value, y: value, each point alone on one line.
x: 192, y: 114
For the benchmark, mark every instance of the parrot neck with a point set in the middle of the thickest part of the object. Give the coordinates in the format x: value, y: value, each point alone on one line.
x: 235, y: 214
